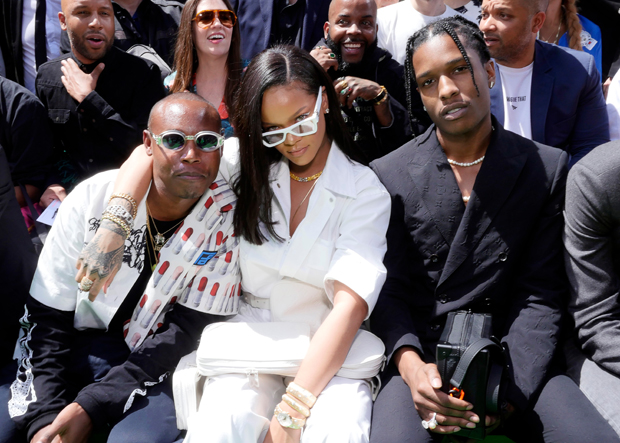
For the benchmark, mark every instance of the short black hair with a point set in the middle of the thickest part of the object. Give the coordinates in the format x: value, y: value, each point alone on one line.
x: 454, y: 26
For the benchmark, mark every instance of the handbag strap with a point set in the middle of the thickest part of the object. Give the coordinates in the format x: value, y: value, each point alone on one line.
x: 468, y: 356
x: 495, y: 380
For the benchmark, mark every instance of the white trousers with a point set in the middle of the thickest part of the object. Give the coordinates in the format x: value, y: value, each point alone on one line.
x: 236, y: 409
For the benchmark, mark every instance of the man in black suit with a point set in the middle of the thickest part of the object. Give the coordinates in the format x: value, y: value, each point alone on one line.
x: 476, y: 225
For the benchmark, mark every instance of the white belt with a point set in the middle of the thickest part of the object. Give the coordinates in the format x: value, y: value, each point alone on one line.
x: 256, y: 302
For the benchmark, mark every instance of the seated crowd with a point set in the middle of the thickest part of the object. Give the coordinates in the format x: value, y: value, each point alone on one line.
x: 228, y: 172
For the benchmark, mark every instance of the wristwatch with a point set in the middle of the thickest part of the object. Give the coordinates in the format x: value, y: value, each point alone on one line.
x: 286, y: 421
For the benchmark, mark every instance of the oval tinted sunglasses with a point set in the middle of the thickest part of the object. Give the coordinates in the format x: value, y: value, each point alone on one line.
x: 307, y: 126
x: 205, y: 18
x: 174, y: 140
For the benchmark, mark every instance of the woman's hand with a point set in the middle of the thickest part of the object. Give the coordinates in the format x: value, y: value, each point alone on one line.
x: 425, y: 383
x: 278, y: 433
x: 101, y: 259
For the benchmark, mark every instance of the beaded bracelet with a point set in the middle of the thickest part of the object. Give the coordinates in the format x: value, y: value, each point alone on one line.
x: 130, y: 199
x: 297, y: 405
x: 119, y: 222
x: 121, y: 212
x: 301, y: 394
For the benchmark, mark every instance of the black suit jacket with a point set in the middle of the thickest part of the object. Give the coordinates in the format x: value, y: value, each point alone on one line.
x: 501, y: 254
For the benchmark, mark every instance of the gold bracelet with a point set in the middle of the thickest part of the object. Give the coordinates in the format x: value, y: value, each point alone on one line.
x: 286, y: 421
x: 130, y: 199
x: 381, y: 97
x: 297, y: 405
x: 301, y: 394
x: 119, y: 221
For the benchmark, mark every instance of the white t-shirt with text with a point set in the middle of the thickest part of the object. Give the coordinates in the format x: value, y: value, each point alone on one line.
x: 517, y: 90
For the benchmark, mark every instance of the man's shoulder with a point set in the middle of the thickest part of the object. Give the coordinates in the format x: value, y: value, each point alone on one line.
x: 603, y: 161
x: 561, y: 59
x: 401, y: 157
x: 52, y: 67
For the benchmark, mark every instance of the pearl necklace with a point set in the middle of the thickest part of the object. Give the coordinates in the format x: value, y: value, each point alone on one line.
x: 465, y: 165
x: 305, y: 179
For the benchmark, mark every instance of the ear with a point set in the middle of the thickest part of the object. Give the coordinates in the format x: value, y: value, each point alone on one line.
x: 537, y: 21
x: 148, y: 142
x: 490, y: 68
x: 326, y: 29
x: 324, y: 101
x: 63, y: 20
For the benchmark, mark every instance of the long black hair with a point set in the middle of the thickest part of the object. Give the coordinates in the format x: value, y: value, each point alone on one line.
x: 454, y: 26
x: 276, y: 66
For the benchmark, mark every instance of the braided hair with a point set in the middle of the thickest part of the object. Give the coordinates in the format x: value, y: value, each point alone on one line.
x: 453, y: 26
x: 573, y: 25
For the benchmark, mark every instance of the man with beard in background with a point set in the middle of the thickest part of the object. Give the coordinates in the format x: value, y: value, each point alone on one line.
x: 369, y: 81
x: 97, y: 97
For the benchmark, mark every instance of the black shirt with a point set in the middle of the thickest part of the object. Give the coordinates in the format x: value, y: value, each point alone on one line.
x: 100, y: 132
x: 24, y: 134
x: 287, y: 22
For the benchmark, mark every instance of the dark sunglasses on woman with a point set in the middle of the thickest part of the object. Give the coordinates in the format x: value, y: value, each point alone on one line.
x: 205, y: 18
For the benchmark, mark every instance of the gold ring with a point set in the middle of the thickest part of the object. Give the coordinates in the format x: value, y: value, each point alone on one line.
x: 85, y: 284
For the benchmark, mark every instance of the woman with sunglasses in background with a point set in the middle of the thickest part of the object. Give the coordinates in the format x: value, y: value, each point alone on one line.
x: 207, y: 58
x: 312, y: 225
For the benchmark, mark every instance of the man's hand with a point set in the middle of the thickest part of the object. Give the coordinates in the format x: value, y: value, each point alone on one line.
x: 72, y: 425
x: 350, y: 88
x: 102, y: 258
x: 77, y: 83
x: 326, y: 58
x: 53, y: 192
x: 425, y: 383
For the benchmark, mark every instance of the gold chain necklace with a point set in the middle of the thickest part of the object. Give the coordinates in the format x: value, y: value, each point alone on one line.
x: 159, y: 239
x: 302, y: 202
x: 305, y: 179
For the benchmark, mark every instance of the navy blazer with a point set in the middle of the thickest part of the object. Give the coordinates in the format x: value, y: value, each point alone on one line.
x: 567, y: 108
x: 502, y: 253
x: 255, y: 24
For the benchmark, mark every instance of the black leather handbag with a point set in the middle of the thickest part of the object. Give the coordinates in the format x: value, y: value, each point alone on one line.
x: 471, y: 364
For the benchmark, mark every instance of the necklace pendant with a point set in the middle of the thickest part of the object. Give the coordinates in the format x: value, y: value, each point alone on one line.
x: 160, y: 241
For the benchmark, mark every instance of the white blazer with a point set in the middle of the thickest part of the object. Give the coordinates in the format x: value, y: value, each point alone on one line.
x: 341, y: 238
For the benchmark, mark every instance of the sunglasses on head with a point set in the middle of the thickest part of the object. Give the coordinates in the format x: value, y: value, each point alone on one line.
x: 174, y: 140
x: 307, y: 126
x: 205, y: 18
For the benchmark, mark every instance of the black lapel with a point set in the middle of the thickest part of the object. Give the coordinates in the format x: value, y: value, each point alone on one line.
x: 436, y: 185
x: 495, y: 181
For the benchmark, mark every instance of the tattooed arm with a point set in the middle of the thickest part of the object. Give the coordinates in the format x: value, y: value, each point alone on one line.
x: 101, y: 259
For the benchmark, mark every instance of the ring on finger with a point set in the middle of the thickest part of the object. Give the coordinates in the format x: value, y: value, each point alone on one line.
x: 430, y: 424
x: 345, y: 91
x: 85, y: 284
x: 344, y: 85
x: 332, y: 55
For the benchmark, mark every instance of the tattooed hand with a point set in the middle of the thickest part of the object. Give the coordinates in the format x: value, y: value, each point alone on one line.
x: 102, y: 258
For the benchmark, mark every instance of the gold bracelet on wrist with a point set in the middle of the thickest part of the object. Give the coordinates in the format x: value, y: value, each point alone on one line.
x: 120, y: 222
x: 301, y: 394
x: 129, y: 198
x: 296, y: 404
x: 381, y: 97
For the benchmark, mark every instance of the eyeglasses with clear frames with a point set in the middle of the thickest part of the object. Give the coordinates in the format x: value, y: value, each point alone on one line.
x: 305, y: 127
x: 175, y: 140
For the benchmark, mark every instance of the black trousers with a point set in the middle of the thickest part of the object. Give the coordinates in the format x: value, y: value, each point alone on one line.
x: 562, y: 414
